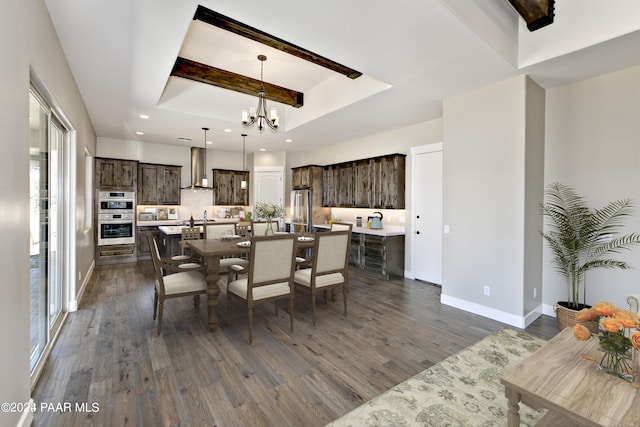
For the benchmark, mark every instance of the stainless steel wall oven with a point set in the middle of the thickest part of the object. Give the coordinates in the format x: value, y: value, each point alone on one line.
x: 116, y: 218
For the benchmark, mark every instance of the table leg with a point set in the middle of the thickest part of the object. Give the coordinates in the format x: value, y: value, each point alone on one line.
x: 513, y: 412
x: 212, y: 264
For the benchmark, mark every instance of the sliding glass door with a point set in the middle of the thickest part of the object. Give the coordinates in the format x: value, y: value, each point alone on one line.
x: 46, y: 258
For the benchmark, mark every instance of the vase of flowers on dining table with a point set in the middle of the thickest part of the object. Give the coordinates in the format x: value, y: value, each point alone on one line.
x: 269, y: 211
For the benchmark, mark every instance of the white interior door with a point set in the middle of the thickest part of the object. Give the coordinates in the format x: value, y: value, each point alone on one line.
x: 427, y: 213
x: 269, y: 185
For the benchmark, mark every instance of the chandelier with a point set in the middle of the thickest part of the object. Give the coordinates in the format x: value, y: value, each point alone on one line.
x: 259, y: 115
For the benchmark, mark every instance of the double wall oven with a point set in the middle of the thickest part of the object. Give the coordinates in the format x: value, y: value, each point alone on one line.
x: 116, y: 218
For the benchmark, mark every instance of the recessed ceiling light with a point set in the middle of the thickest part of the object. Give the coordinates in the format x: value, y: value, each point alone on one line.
x: 139, y: 133
x: 288, y: 140
x: 209, y: 142
x: 263, y: 149
x: 227, y: 130
x: 144, y: 116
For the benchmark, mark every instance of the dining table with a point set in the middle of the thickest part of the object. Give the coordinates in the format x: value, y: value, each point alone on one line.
x: 211, y: 251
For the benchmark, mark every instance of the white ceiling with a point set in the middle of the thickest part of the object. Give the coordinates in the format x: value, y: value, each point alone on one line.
x: 413, y: 54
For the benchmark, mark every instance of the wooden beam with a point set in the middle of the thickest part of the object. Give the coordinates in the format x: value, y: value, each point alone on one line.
x: 536, y: 13
x: 203, y: 73
x: 218, y: 20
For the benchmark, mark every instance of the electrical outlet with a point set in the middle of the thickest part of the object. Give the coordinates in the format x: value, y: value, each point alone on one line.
x: 535, y: 292
x: 446, y: 229
x: 402, y: 220
x: 79, y: 275
x: 487, y: 291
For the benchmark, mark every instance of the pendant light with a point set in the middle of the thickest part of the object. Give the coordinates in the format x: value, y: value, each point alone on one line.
x: 243, y: 183
x: 205, y: 181
x: 259, y: 115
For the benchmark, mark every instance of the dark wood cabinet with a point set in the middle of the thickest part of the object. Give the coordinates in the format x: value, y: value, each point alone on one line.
x: 158, y: 184
x: 115, y: 174
x: 142, y: 243
x: 379, y: 256
x: 376, y: 183
x: 228, y: 189
x: 311, y: 177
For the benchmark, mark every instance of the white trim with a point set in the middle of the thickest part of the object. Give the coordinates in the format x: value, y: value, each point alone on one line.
x: 414, y: 151
x: 27, y: 415
x: 75, y: 303
x: 491, y: 313
x: 549, y: 310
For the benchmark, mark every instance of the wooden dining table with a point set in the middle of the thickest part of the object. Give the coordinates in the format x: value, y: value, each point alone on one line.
x: 211, y: 250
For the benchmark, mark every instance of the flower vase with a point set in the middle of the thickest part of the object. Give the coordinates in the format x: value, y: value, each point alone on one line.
x: 635, y: 367
x: 269, y: 230
x: 617, y: 363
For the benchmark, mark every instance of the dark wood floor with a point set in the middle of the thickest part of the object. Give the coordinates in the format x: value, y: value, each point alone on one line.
x: 109, y: 357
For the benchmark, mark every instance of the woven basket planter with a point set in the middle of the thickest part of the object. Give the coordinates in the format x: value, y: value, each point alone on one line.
x: 566, y: 318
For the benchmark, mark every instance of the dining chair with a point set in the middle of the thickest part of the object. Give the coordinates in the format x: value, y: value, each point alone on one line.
x: 269, y: 278
x: 179, y: 284
x: 339, y: 226
x: 218, y: 231
x: 329, y: 267
x: 187, y: 261
x: 258, y: 228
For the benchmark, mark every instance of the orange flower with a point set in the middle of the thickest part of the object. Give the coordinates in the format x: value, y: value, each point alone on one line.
x: 635, y: 339
x: 610, y: 324
x: 604, y: 308
x: 581, y: 332
x: 627, y: 318
x: 585, y: 315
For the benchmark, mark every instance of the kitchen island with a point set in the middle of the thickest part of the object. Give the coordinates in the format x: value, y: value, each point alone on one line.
x: 377, y: 252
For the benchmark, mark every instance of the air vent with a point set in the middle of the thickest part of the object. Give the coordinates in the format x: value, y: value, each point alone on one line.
x: 184, y: 138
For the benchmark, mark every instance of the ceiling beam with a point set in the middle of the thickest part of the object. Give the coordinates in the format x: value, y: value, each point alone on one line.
x: 536, y: 13
x: 203, y: 73
x: 218, y: 20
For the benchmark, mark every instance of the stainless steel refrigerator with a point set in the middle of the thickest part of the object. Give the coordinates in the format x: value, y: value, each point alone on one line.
x: 301, y: 219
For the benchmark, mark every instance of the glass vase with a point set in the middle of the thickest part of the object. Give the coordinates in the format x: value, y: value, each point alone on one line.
x: 269, y: 230
x: 617, y: 363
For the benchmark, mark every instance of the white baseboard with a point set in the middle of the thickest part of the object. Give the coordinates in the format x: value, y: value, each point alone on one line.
x: 491, y: 313
x: 27, y: 415
x: 549, y: 310
x: 73, y: 304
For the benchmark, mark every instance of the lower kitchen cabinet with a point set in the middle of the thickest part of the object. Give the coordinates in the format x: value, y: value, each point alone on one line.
x: 115, y: 254
x: 142, y: 243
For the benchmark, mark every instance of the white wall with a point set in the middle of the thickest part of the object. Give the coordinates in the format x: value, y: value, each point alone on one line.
x: 485, y: 168
x: 28, y: 38
x: 593, y: 145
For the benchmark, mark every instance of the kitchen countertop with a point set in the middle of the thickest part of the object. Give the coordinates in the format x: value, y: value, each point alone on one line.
x: 387, y: 230
x: 181, y: 222
x: 173, y: 229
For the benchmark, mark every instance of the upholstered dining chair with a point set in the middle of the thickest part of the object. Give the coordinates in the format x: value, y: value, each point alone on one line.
x: 339, y: 226
x: 187, y: 261
x: 218, y: 231
x: 179, y: 284
x: 269, y: 278
x: 258, y: 228
x: 329, y: 267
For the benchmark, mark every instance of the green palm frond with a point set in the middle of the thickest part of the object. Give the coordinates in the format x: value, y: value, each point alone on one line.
x: 580, y: 238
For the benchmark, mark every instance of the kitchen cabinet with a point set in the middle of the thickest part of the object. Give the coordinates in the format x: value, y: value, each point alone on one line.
x: 142, y: 243
x: 116, y: 174
x: 227, y: 187
x: 379, y: 256
x: 158, y: 184
x: 376, y: 183
x: 306, y: 177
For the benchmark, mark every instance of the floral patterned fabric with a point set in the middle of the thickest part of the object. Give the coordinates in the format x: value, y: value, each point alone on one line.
x: 462, y: 390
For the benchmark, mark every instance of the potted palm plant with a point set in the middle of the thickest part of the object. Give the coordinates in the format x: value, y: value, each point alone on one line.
x: 580, y: 239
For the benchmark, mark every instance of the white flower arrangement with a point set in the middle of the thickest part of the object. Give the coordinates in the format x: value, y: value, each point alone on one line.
x: 269, y: 210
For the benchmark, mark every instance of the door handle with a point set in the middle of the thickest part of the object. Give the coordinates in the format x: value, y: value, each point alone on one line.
x: 417, y: 232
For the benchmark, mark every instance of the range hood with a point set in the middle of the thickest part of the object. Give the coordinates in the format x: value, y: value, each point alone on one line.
x: 197, y: 168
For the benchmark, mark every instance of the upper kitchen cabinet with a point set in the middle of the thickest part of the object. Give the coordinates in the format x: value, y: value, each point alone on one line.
x: 227, y: 185
x: 158, y: 184
x: 306, y: 177
x: 376, y: 183
x: 387, y: 176
x: 116, y: 174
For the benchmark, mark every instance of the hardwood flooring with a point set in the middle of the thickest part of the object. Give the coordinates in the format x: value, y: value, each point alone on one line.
x: 109, y: 358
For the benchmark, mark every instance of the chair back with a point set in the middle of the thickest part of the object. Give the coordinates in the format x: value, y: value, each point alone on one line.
x: 339, y: 226
x: 190, y: 233
x: 331, y: 252
x: 218, y: 230
x: 157, y: 262
x: 260, y: 227
x: 271, y: 261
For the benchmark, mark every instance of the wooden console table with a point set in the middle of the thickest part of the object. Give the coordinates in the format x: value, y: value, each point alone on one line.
x: 558, y: 378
